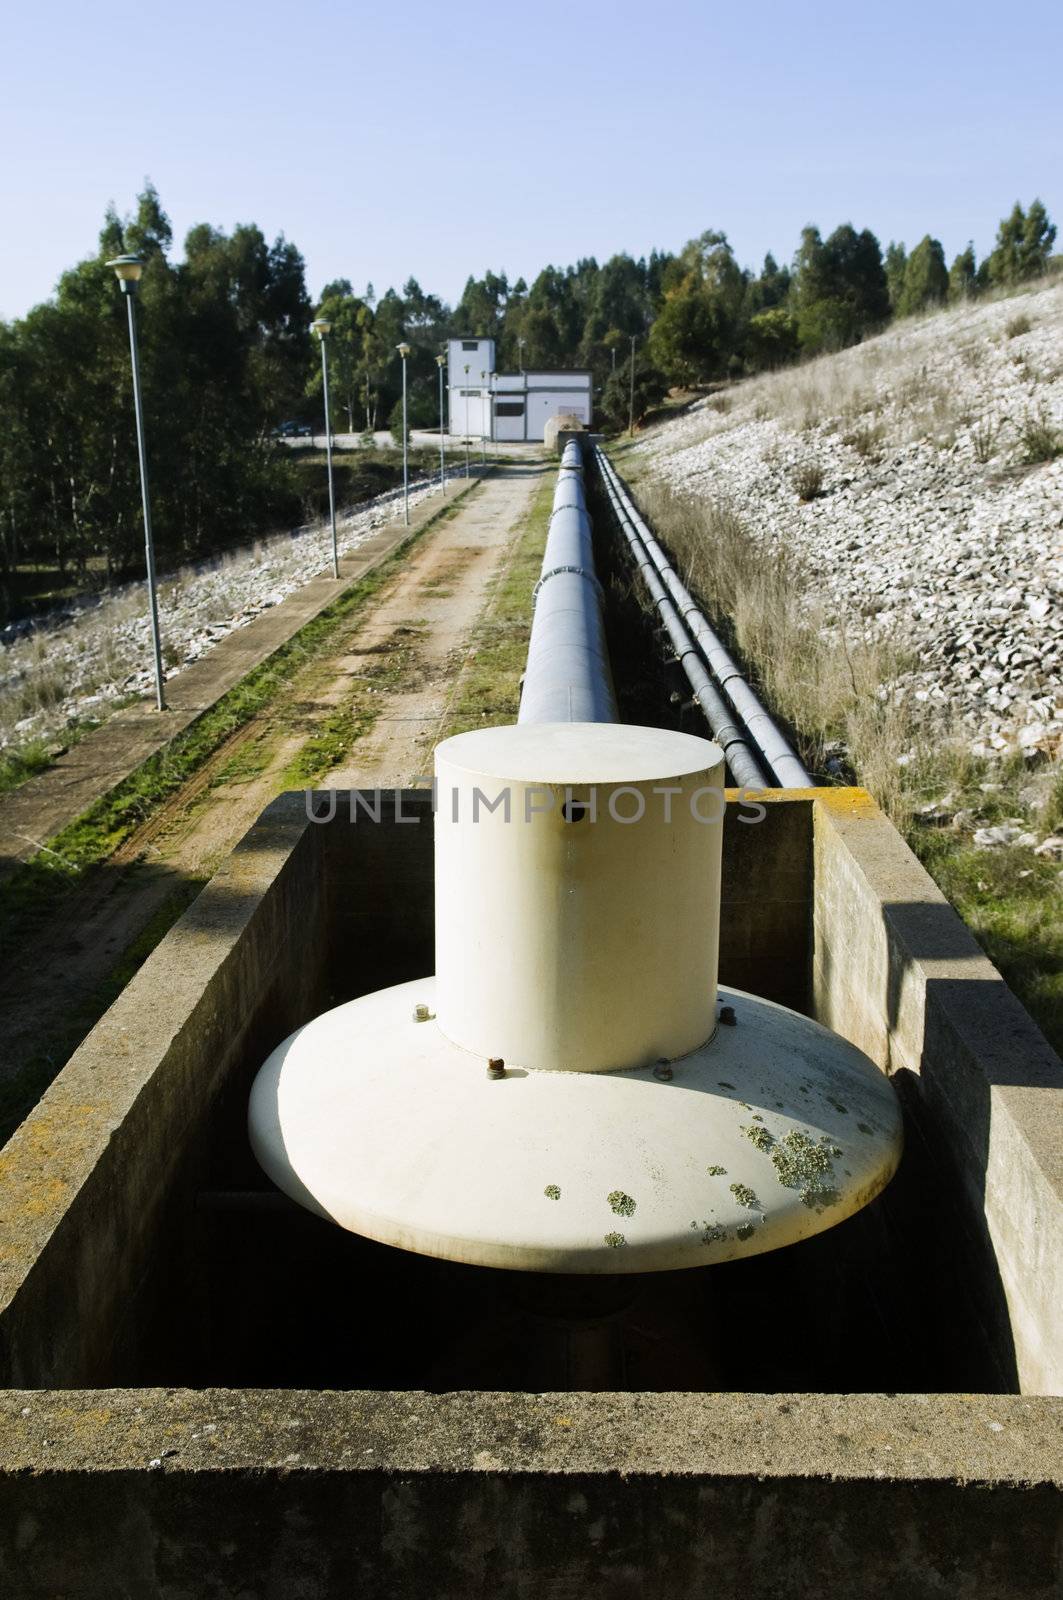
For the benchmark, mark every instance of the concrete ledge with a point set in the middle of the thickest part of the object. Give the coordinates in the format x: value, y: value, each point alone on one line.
x: 454, y: 1497
x: 898, y: 972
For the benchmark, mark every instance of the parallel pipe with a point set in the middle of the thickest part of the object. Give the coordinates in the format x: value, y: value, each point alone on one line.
x: 767, y: 738
x: 567, y: 678
x: 726, y: 729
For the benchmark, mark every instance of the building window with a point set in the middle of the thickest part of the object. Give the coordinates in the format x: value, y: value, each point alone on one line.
x: 509, y: 408
x: 470, y: 344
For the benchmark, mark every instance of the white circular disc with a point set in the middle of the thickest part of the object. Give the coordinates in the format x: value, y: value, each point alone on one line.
x: 775, y: 1130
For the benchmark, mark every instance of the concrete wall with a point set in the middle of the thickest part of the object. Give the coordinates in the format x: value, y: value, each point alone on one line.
x: 87, y: 1181
x: 295, y: 1496
x: 897, y: 972
x: 248, y: 1493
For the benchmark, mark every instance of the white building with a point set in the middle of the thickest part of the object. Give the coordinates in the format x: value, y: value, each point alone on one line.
x: 514, y: 406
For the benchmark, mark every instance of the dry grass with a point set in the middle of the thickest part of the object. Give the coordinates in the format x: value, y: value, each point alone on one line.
x: 1039, y: 438
x: 828, y: 683
x: 984, y: 436
x: 866, y: 440
x: 808, y: 480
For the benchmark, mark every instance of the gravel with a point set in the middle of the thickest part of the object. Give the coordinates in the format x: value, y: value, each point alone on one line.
x: 933, y: 531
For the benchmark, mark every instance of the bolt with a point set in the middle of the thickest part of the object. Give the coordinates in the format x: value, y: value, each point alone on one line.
x: 496, y: 1067
x: 663, y: 1071
x: 421, y: 1014
x: 727, y: 1016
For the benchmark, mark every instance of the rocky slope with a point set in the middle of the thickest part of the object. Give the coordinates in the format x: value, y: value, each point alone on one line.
x: 77, y: 668
x: 937, y: 523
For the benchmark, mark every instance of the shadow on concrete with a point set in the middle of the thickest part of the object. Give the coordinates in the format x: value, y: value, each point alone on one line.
x: 971, y: 1036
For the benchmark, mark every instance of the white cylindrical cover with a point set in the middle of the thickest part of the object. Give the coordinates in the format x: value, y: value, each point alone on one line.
x: 578, y: 893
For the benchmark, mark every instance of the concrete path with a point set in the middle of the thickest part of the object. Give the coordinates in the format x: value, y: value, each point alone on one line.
x: 445, y: 587
x: 41, y: 807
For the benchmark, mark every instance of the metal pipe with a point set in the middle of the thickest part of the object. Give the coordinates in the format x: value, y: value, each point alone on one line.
x: 149, y: 543
x: 726, y: 728
x: 441, y: 362
x: 405, y: 450
x: 767, y: 738
x: 567, y: 678
x: 328, y: 453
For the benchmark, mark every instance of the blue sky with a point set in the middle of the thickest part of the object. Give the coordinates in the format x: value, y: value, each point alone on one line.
x: 416, y: 138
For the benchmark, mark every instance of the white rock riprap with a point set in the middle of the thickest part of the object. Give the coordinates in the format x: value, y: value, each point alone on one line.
x: 81, y: 666
x: 933, y: 530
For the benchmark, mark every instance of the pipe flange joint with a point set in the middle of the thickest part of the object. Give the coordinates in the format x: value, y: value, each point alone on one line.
x: 581, y: 572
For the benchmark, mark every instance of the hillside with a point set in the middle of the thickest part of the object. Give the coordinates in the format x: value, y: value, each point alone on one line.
x: 938, y: 523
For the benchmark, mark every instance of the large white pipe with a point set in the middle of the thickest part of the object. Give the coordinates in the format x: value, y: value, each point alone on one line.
x: 567, y: 678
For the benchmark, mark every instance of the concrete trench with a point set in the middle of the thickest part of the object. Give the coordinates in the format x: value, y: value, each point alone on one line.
x: 210, y: 1392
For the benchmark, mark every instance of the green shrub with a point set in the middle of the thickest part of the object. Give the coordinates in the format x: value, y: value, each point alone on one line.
x: 772, y: 339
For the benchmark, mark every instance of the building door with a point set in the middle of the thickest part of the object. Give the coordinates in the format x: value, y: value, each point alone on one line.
x: 509, y: 419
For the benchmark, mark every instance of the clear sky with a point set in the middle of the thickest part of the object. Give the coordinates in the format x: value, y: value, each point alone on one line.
x: 434, y: 139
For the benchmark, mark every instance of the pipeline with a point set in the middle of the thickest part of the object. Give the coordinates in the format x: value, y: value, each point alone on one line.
x: 762, y: 734
x: 726, y: 729
x: 567, y: 678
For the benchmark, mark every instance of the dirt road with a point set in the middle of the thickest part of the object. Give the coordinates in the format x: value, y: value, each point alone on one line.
x: 366, y: 711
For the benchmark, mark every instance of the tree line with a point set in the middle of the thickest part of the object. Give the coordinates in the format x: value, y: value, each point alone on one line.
x: 227, y: 353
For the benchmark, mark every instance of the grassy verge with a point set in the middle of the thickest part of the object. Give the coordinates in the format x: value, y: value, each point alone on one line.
x: 825, y: 683
x: 488, y: 690
x: 25, y: 762
x: 34, y: 890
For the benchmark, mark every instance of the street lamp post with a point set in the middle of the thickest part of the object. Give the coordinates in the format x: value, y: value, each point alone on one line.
x: 631, y: 404
x: 322, y: 329
x: 441, y: 362
x: 404, y: 351
x: 483, y: 443
x: 466, y: 419
x: 128, y: 270
x: 520, y: 355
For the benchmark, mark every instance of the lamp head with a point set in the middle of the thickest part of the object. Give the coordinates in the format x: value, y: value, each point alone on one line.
x: 321, y: 326
x: 403, y: 350
x: 127, y: 270
x: 441, y: 361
